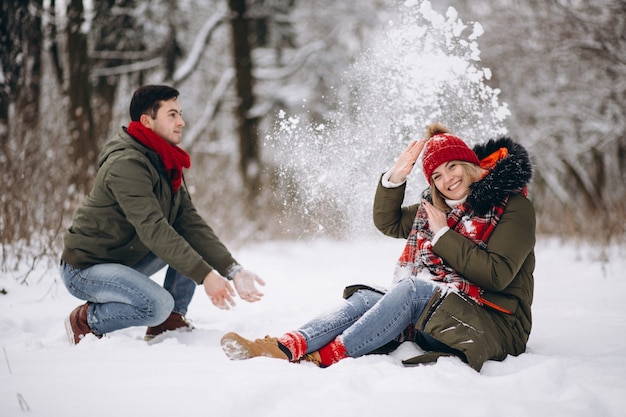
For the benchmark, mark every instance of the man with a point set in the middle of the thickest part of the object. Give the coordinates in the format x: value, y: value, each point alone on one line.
x: 137, y: 219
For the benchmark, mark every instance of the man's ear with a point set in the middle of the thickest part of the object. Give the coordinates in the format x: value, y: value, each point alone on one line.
x: 146, y: 120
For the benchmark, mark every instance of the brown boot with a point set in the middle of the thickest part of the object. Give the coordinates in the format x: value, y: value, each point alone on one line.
x: 313, y: 357
x: 239, y: 348
x: 174, y: 322
x: 76, y: 325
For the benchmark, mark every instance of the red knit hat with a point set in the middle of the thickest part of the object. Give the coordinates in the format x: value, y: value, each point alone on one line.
x: 443, y: 147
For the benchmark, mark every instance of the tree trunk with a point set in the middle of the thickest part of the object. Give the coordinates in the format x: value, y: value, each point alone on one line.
x: 249, y: 161
x: 114, y: 29
x: 83, y: 147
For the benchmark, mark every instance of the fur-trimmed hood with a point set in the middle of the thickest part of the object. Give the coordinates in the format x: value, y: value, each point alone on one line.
x: 509, y: 175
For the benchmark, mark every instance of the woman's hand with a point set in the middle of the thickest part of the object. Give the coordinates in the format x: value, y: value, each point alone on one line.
x: 436, y: 218
x: 406, y: 161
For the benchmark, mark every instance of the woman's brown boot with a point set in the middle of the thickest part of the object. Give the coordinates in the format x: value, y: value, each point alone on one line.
x: 237, y: 347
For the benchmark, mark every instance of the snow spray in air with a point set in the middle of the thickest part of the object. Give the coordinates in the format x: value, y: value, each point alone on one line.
x: 420, y: 68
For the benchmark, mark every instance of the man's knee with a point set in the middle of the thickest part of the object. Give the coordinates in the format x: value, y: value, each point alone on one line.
x: 160, y: 309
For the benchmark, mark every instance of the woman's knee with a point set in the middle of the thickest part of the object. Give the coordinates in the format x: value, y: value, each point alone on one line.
x: 415, y: 287
x: 364, y: 299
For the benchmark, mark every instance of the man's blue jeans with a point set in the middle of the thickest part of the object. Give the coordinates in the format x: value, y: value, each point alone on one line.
x: 124, y: 296
x: 368, y: 320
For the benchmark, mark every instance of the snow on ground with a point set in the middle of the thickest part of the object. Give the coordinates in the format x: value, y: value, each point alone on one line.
x: 575, y: 364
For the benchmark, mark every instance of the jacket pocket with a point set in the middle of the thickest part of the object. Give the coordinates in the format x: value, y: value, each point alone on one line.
x: 464, y: 326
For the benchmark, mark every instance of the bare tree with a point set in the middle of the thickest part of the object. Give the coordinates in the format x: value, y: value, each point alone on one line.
x: 249, y: 162
x: 31, y: 208
x: 84, y: 145
x: 561, y: 67
x: 21, y: 44
x: 115, y: 41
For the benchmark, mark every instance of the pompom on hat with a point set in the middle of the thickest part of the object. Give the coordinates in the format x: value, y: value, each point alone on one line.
x: 442, y: 146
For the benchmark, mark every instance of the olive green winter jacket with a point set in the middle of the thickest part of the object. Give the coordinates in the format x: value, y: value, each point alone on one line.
x: 504, y: 270
x: 131, y: 212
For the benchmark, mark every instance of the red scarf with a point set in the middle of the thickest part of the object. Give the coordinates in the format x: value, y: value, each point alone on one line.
x: 174, y: 158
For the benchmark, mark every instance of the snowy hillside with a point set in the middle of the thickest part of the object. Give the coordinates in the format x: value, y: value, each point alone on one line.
x: 575, y: 364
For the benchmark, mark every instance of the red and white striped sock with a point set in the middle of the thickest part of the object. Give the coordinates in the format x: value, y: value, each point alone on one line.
x: 295, y: 343
x: 332, y: 352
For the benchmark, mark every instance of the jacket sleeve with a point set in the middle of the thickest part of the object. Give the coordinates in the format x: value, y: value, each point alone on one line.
x: 510, y: 244
x: 389, y: 216
x: 135, y: 197
x: 201, y: 236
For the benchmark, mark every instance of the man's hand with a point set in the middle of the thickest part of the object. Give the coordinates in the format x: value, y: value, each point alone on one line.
x: 219, y: 290
x: 244, y: 281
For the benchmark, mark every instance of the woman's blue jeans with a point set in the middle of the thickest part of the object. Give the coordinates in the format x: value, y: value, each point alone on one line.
x: 123, y: 296
x: 368, y: 320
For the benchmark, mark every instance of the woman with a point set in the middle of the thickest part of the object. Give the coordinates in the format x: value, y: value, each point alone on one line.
x: 464, y: 283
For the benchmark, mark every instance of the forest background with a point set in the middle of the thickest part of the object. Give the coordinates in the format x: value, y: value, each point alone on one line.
x: 246, y: 67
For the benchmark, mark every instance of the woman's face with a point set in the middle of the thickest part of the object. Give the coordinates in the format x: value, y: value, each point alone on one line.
x: 451, y: 181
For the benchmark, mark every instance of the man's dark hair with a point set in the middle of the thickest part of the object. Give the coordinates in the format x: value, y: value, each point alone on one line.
x: 147, y: 100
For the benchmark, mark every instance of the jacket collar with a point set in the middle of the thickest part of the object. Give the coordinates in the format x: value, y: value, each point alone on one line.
x: 510, y: 175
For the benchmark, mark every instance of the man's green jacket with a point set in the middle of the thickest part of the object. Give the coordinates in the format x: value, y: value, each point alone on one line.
x: 131, y: 212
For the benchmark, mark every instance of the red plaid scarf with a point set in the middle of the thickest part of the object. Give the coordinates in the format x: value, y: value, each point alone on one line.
x: 418, y: 255
x: 174, y: 158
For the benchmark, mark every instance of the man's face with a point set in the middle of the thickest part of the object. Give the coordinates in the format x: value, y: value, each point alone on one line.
x: 168, y: 122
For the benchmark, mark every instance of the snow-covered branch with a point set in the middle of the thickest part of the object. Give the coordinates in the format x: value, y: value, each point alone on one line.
x: 127, y: 69
x: 192, y: 60
x: 124, y: 55
x: 210, y: 108
x: 294, y: 65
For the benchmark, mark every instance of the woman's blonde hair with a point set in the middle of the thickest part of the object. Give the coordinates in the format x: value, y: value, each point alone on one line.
x: 471, y: 172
